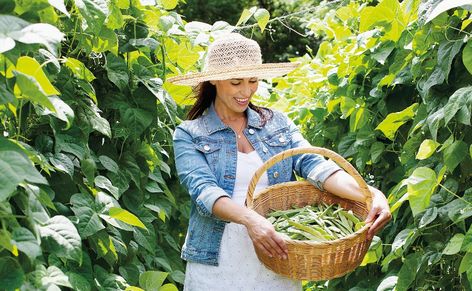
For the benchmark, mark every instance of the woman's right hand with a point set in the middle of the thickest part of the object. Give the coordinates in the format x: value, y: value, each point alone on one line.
x: 264, y: 237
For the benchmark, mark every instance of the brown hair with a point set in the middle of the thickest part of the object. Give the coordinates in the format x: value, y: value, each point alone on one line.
x: 205, y: 93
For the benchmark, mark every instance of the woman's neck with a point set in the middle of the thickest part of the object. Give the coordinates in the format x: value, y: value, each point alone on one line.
x: 226, y: 114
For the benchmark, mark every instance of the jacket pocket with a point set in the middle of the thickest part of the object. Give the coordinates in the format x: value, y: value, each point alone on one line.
x: 211, y: 148
x: 281, y: 138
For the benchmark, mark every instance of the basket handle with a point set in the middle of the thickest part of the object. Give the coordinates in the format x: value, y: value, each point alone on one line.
x: 309, y: 150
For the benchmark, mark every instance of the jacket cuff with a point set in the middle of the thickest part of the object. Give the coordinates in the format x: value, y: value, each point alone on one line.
x: 321, y: 172
x: 207, y: 198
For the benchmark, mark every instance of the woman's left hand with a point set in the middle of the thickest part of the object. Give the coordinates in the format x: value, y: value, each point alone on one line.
x: 379, y: 214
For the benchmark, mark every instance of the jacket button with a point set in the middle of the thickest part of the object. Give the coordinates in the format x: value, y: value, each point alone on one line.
x: 265, y: 150
x: 206, y: 147
x: 276, y: 174
x: 282, y: 139
x: 251, y: 131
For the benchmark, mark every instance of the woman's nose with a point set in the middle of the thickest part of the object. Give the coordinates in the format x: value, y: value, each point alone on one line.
x: 246, y: 90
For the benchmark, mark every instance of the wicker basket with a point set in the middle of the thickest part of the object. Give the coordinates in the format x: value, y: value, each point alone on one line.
x: 309, y: 260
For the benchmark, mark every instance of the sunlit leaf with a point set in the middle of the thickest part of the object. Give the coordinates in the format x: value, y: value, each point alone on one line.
x: 126, y: 216
x: 427, y: 148
x: 262, y: 17
x: 393, y: 121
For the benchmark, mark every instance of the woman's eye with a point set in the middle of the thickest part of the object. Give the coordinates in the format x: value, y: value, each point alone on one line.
x: 235, y: 83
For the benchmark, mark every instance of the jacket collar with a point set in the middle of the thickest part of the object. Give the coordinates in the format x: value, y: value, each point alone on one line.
x: 213, y: 122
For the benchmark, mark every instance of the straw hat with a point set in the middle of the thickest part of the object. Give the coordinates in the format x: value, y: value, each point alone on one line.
x: 234, y: 56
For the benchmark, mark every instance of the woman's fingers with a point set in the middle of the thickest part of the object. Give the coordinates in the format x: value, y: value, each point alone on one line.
x: 382, y: 219
x: 277, y: 248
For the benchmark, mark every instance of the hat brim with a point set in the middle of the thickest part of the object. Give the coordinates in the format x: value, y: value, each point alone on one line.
x: 262, y: 71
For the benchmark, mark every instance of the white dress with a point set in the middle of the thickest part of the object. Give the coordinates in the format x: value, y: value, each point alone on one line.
x: 239, y: 268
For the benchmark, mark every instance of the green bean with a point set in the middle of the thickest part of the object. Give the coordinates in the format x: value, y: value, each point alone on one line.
x: 321, y: 222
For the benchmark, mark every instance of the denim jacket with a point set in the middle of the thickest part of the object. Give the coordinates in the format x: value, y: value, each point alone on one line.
x: 206, y: 155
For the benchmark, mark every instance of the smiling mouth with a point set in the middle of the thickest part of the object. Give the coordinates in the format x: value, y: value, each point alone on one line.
x: 242, y: 100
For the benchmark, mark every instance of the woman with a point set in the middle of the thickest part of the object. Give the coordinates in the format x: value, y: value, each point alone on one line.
x: 218, y: 150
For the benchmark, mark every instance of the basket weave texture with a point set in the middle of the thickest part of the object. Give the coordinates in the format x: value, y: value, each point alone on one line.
x: 310, y: 260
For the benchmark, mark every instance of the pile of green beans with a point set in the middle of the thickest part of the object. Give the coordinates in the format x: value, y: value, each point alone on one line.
x: 321, y: 222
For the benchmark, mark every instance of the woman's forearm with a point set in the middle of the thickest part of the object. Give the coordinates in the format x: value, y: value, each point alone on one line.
x: 225, y: 209
x: 343, y: 185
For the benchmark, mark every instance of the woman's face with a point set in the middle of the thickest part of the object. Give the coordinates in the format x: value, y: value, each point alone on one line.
x: 233, y: 95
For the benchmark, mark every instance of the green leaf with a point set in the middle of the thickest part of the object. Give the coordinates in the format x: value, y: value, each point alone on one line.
x: 262, y: 17
x: 53, y: 276
x: 428, y: 216
x: 61, y: 237
x: 91, y: 115
x: 466, y: 263
x: 104, y: 183
x: 79, y: 69
x: 169, y: 4
x: 59, y: 5
x: 63, y: 163
x: 420, y: 185
x: 88, y: 168
x: 78, y: 282
x: 152, y: 280
x: 408, y: 271
x: 31, y: 67
x: 388, y: 283
x: 454, y: 244
x: 126, y: 216
x: 62, y: 111
x: 94, y: 12
x: 133, y: 288
x: 137, y: 120
x: 11, y: 274
x: 460, y: 99
x: 117, y: 71
x: 5, y: 95
x: 109, y: 164
x: 107, y: 281
x: 30, y: 89
x: 467, y: 56
x: 427, y: 148
x: 13, y: 28
x: 454, y: 154
x: 16, y: 168
x: 26, y: 242
x: 6, y: 242
x: 247, y: 13
x: 443, y: 6
x: 393, y: 121
x: 89, y: 221
x: 168, y: 287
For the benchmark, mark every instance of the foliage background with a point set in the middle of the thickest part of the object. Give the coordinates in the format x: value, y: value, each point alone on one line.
x: 89, y: 197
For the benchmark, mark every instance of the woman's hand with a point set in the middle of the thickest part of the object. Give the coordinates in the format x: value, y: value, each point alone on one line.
x: 380, y: 212
x: 264, y: 237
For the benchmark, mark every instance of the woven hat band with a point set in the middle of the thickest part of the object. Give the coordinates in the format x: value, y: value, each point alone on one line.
x: 233, y: 51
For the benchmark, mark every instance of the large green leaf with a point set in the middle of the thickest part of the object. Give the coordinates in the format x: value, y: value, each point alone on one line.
x: 13, y: 28
x: 427, y: 148
x: 460, y: 99
x: 393, y: 121
x: 454, y: 154
x: 79, y: 69
x: 31, y: 67
x: 117, y: 71
x: 94, y: 12
x: 91, y: 115
x: 26, y: 242
x: 109, y: 164
x: 443, y: 6
x: 126, y: 216
x: 152, y: 280
x: 62, y: 111
x: 11, y: 274
x: 467, y: 56
x: 16, y: 168
x: 61, y: 238
x: 89, y: 221
x: 52, y: 277
x: 30, y: 89
x: 107, y: 281
x: 454, y: 244
x: 104, y: 183
x: 5, y: 95
x: 137, y: 120
x: 421, y: 184
x: 408, y: 271
x: 63, y: 163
